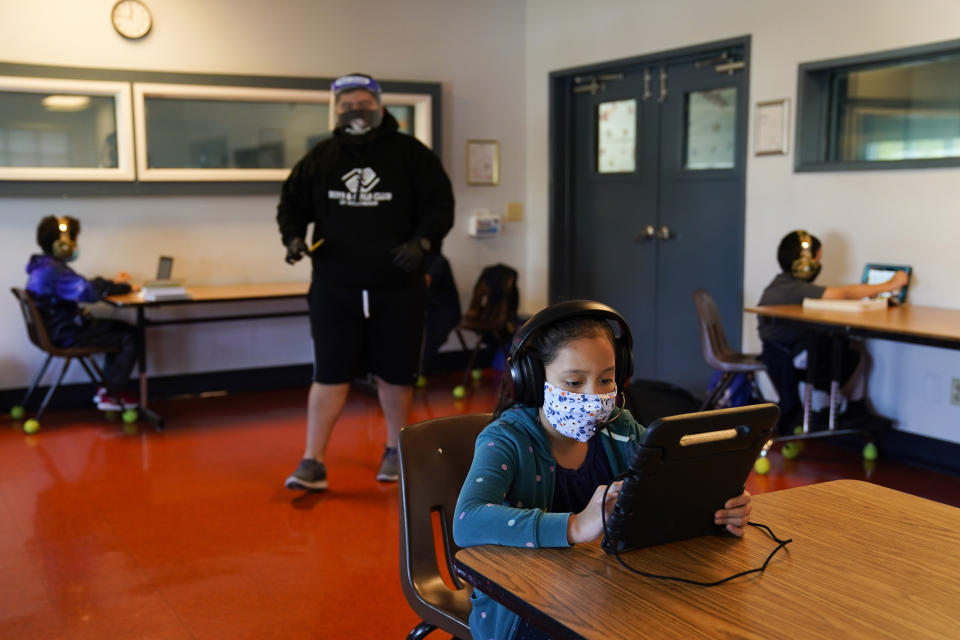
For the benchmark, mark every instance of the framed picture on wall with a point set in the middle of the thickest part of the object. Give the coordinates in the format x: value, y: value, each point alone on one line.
x: 483, y: 162
x: 770, y: 132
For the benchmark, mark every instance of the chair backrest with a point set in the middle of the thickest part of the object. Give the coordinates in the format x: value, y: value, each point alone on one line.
x: 36, y: 329
x: 435, y: 457
x: 495, y: 298
x: 716, y: 349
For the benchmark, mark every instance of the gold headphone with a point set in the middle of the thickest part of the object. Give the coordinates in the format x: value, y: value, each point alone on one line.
x: 63, y: 246
x: 804, y: 266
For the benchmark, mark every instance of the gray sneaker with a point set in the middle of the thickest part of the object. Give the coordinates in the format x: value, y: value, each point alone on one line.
x: 389, y: 465
x: 310, y: 474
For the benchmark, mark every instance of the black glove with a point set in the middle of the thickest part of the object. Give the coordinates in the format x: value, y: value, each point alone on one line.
x: 296, y: 249
x: 408, y: 255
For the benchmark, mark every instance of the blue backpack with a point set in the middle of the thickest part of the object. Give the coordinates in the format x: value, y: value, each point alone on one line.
x: 738, y: 394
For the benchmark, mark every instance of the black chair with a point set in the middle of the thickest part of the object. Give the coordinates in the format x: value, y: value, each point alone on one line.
x: 39, y: 336
x: 435, y: 456
x: 718, y: 353
x: 492, y: 313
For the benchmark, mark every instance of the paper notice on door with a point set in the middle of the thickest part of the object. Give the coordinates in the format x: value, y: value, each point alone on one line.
x: 617, y: 136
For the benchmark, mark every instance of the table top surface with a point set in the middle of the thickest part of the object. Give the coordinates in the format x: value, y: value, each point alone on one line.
x: 865, y: 561
x: 221, y: 293
x: 908, y: 319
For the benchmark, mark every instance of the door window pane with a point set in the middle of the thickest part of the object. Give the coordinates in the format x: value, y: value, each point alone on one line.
x: 710, y: 129
x: 617, y: 136
x: 904, y: 112
x: 226, y: 134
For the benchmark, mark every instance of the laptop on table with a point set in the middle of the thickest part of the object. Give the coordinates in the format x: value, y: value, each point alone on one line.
x: 164, y: 274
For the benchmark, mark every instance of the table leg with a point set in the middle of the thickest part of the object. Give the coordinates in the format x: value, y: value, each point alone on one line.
x: 835, y: 362
x: 808, y: 389
x: 836, y: 353
x: 152, y: 417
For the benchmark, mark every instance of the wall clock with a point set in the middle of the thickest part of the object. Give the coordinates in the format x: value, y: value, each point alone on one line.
x: 131, y: 19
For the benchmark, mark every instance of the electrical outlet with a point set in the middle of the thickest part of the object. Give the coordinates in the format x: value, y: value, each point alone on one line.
x: 955, y: 391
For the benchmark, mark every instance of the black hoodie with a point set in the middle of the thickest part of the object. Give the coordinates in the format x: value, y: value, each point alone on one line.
x: 366, y: 195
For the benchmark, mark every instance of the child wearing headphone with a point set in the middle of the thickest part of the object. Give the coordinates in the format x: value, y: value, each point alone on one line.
x: 557, y: 440
x: 57, y: 290
x: 786, y: 346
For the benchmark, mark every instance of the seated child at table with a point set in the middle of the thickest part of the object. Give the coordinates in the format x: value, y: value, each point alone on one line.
x: 57, y: 290
x: 556, y: 441
x: 786, y: 347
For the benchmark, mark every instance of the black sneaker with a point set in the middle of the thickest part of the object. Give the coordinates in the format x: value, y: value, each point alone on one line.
x: 310, y: 475
x: 389, y: 465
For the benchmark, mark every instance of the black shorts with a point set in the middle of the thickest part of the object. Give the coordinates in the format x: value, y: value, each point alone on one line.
x: 356, y: 331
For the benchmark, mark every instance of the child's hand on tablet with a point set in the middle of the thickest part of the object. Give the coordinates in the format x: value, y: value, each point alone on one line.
x: 735, y: 514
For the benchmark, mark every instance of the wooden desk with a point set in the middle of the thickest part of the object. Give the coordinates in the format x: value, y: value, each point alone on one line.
x: 208, y: 294
x: 931, y: 326
x: 865, y: 562
x: 221, y: 293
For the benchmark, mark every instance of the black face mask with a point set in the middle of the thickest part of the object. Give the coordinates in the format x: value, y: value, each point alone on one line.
x: 359, y: 121
x: 814, y: 272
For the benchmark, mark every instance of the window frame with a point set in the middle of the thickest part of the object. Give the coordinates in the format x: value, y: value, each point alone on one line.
x: 426, y: 98
x: 145, y: 90
x: 123, y: 122
x: 142, y: 91
x: 816, y: 111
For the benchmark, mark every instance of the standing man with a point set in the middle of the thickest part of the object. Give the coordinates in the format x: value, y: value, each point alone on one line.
x: 379, y: 201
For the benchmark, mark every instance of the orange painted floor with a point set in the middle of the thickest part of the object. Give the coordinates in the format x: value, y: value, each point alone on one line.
x: 189, y: 533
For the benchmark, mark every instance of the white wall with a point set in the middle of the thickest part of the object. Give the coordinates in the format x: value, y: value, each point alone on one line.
x: 896, y: 216
x: 474, y: 49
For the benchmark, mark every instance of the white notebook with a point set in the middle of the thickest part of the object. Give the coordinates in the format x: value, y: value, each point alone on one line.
x: 867, y: 304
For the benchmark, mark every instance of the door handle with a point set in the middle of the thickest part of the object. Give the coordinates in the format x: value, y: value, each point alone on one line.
x: 664, y: 233
x: 649, y: 233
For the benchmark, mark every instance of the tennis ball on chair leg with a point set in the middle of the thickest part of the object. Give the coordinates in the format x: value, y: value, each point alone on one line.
x: 790, y: 450
x: 459, y: 391
x: 31, y: 426
x: 17, y: 412
x: 130, y: 416
x: 870, y: 451
x: 761, y: 466
x: 477, y: 374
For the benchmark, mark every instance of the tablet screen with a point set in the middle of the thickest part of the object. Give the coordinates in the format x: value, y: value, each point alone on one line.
x: 880, y: 273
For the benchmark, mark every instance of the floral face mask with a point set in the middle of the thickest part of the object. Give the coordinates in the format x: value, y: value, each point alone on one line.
x: 577, y: 415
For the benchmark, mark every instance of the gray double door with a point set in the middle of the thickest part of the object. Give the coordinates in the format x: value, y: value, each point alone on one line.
x: 647, y: 200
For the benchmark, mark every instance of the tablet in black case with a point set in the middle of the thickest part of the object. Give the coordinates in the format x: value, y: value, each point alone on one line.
x: 687, y: 467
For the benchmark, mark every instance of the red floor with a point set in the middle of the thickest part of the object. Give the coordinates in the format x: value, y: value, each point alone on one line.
x: 190, y: 533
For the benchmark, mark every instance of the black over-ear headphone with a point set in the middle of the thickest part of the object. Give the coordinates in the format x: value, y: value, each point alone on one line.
x: 64, y: 245
x: 526, y: 370
x: 804, y: 265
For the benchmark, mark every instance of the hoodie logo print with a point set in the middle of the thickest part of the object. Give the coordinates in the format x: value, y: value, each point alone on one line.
x: 365, y: 179
x: 359, y: 183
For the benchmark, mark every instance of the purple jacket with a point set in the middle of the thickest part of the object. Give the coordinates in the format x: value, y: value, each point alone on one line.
x: 57, y: 289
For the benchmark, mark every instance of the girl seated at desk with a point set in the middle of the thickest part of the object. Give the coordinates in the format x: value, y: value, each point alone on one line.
x: 557, y: 440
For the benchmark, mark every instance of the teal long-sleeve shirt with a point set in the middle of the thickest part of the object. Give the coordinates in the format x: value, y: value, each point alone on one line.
x: 507, y: 496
